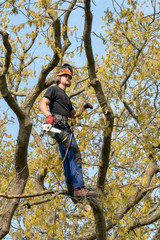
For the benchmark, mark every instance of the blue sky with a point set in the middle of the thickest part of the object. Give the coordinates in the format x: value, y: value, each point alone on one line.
x: 98, y: 9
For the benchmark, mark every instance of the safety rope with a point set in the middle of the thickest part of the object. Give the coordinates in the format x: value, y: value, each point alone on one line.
x: 67, y: 148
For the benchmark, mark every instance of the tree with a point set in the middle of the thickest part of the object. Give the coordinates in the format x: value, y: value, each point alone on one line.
x: 121, y: 157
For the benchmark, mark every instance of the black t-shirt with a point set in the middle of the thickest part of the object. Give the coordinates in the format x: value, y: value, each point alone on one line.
x: 59, y: 101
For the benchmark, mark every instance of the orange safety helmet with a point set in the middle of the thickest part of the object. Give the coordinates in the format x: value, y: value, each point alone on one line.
x: 64, y: 71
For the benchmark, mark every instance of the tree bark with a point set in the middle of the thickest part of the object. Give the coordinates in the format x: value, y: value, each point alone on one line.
x: 19, y: 182
x: 107, y: 111
x: 98, y: 214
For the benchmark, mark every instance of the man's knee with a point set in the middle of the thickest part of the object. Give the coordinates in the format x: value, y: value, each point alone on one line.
x: 77, y: 155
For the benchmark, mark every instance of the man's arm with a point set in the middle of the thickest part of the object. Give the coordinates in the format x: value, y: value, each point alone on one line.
x: 77, y: 113
x: 44, y: 106
x: 44, y: 109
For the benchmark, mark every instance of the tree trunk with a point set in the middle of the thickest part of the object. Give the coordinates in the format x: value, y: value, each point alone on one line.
x: 17, y: 186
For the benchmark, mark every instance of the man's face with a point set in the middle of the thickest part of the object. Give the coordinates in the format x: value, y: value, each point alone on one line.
x: 65, y: 80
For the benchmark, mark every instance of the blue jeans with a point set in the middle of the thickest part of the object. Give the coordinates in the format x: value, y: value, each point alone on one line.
x: 73, y: 163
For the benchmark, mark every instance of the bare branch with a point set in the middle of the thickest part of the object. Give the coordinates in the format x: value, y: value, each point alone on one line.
x: 75, y: 93
x: 134, y: 64
x: 2, y: 3
x: 130, y: 41
x: 30, y: 62
x: 145, y: 221
x: 29, y: 205
x: 5, y: 195
x: 18, y: 94
x: 32, y: 41
x: 130, y: 110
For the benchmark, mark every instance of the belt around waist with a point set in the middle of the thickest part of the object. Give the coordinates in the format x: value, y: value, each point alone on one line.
x: 60, y: 117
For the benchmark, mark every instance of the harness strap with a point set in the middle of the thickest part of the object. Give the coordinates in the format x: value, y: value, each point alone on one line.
x: 60, y: 118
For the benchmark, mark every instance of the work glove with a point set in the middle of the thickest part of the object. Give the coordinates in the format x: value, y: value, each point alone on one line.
x: 88, y: 105
x: 50, y: 119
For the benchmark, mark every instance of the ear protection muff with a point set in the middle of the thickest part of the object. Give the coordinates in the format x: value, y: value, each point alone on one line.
x: 57, y: 80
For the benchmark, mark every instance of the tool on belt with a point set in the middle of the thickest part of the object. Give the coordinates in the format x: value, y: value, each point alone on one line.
x: 49, y: 129
x: 59, y: 135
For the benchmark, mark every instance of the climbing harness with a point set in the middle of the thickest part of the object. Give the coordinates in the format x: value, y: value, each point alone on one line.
x: 59, y: 135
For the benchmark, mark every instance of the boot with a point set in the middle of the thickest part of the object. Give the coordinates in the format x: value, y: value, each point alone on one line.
x: 84, y: 193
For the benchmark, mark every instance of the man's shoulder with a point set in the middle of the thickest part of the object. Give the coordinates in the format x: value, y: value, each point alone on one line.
x: 52, y: 89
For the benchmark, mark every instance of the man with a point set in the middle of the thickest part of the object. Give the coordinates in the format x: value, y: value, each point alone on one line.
x: 57, y: 108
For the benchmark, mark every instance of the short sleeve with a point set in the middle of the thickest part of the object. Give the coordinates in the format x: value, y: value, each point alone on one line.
x: 50, y: 93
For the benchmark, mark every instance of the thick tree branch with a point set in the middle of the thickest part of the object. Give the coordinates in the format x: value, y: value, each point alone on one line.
x: 3, y: 84
x: 8, y: 48
x: 121, y: 211
x: 67, y: 42
x: 99, y: 220
x: 100, y: 97
x: 133, y: 200
x: 19, y: 182
x: 87, y: 41
x: 40, y: 86
x: 104, y: 161
x: 145, y: 221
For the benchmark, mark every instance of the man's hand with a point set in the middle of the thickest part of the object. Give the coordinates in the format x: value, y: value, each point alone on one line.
x: 88, y: 105
x: 50, y: 119
x: 78, y: 113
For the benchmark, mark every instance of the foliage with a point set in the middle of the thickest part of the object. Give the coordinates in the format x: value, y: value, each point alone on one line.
x: 118, y: 139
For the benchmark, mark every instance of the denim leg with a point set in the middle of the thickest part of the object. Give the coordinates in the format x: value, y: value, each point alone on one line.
x: 67, y: 172
x: 72, y: 164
